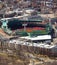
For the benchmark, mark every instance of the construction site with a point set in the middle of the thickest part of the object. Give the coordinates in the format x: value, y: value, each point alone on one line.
x: 28, y: 32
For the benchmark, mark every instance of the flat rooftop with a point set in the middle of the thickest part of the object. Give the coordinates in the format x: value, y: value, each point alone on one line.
x: 40, y: 37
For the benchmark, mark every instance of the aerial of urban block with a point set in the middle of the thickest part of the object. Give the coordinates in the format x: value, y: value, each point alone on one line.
x: 28, y: 32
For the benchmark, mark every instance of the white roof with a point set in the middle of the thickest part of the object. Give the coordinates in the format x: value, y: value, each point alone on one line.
x: 29, y: 11
x: 40, y: 45
x: 46, y: 46
x: 42, y: 37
